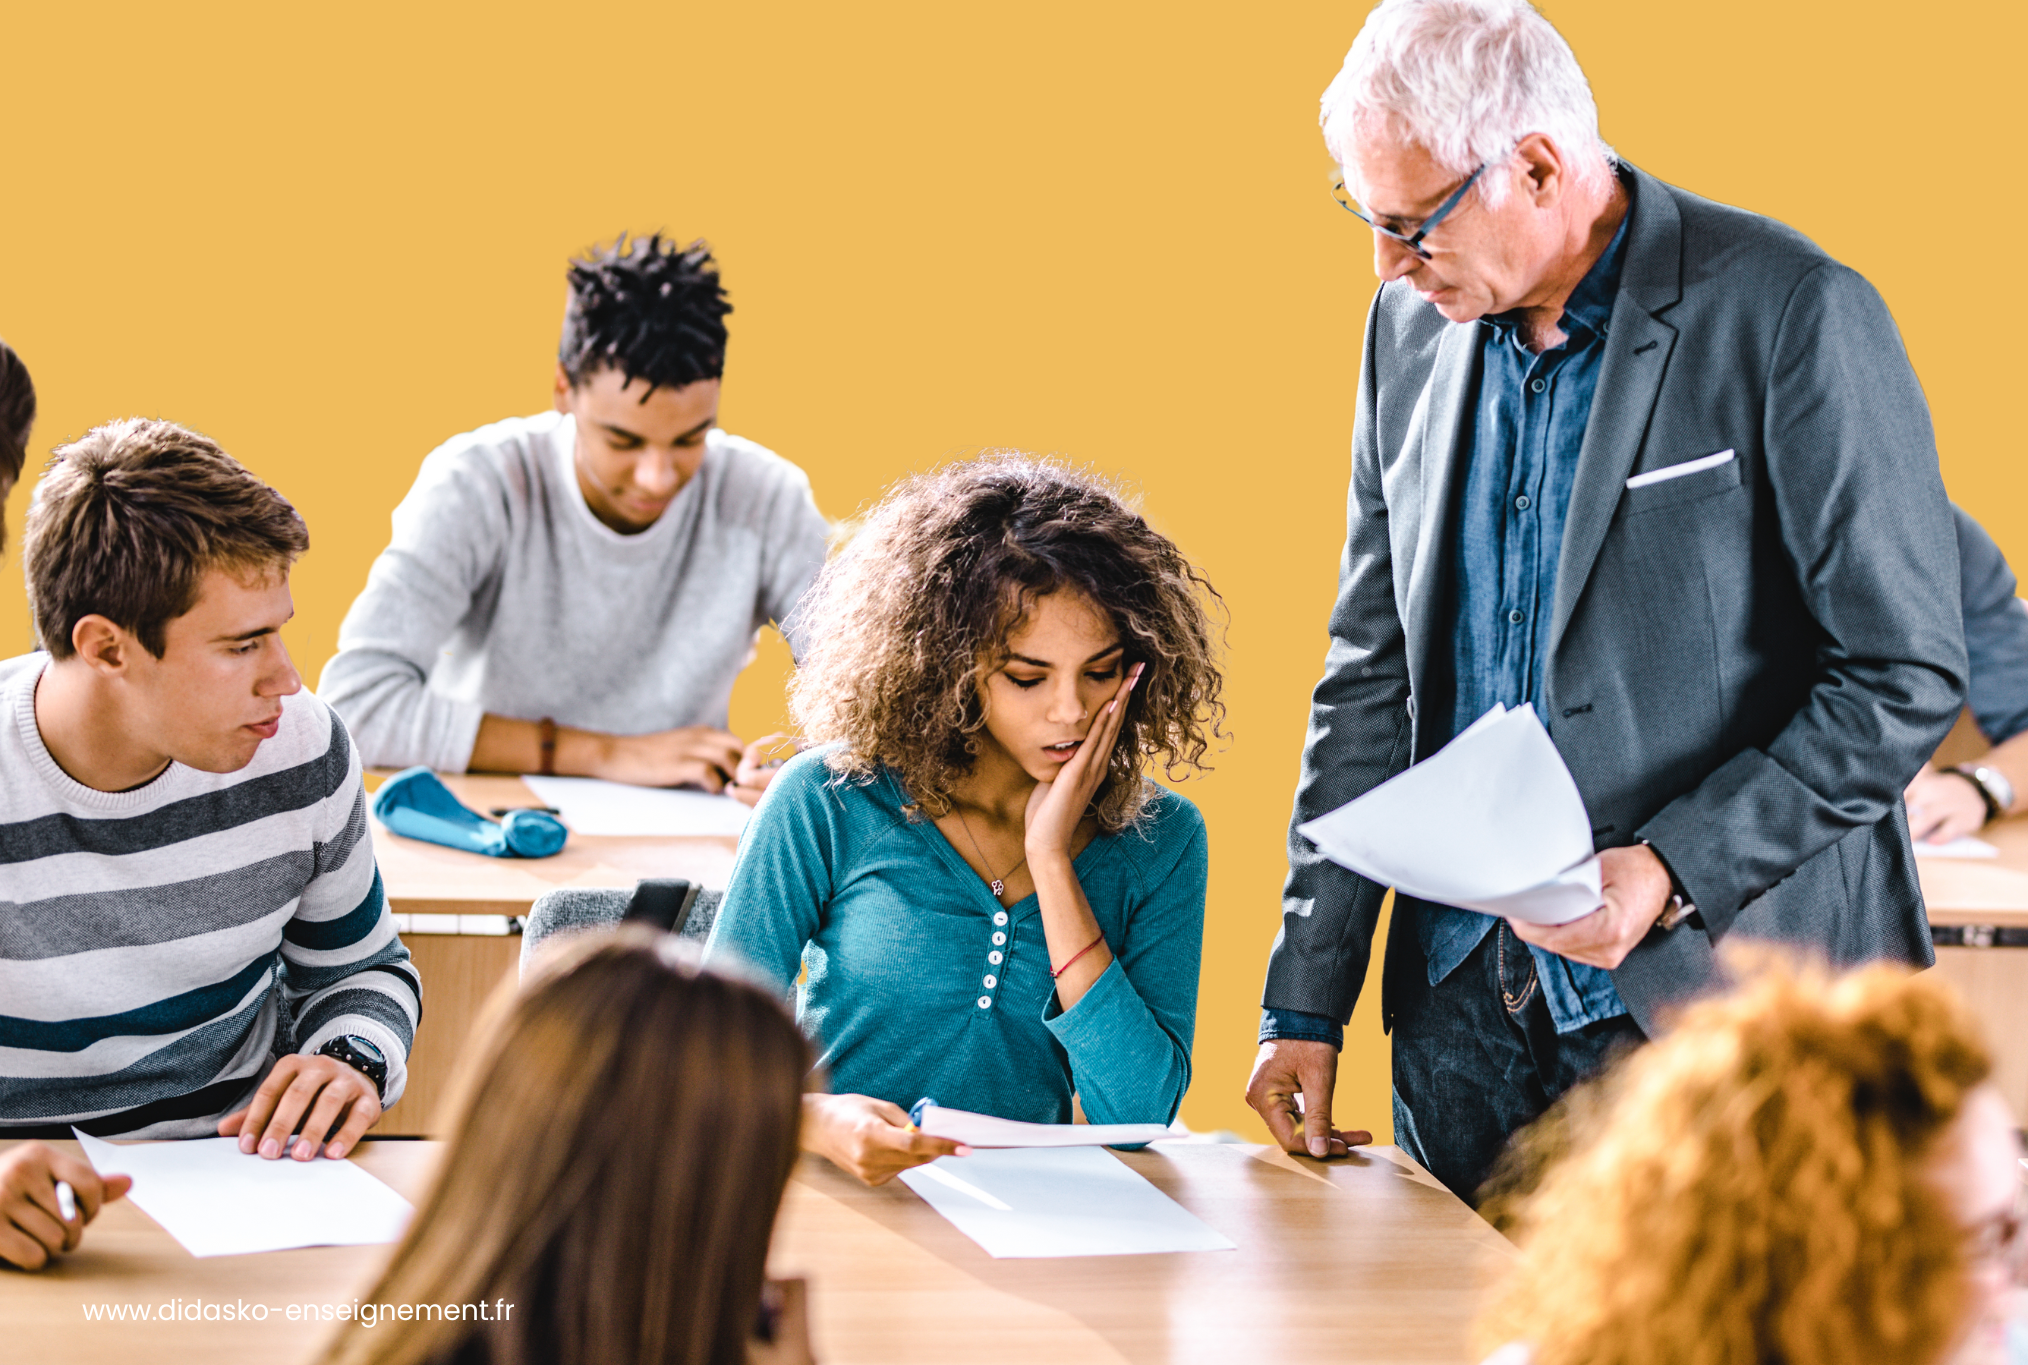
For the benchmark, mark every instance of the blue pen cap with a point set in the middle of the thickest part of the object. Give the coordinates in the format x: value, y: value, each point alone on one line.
x: 533, y: 833
x: 916, y: 1110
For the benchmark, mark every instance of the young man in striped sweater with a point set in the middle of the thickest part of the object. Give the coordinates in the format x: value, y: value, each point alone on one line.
x: 193, y: 937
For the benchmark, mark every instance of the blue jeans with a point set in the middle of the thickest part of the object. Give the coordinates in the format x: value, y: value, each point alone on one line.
x: 1476, y: 1057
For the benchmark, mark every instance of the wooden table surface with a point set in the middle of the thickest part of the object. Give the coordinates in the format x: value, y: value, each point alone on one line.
x: 459, y: 970
x: 424, y: 878
x: 1981, y: 891
x: 1364, y: 1259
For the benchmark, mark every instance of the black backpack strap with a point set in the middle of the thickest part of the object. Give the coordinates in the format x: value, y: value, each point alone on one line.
x: 663, y: 902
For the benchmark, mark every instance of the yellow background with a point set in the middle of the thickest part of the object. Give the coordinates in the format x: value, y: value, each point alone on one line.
x: 334, y: 237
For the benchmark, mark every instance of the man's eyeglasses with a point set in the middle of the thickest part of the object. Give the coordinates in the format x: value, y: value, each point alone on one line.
x: 1411, y: 241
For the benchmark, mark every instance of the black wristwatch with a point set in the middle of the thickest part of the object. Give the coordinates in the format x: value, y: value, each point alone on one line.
x: 362, y: 1057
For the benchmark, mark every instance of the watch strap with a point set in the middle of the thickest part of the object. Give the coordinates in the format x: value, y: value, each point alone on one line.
x: 1680, y: 906
x: 1993, y: 787
x: 362, y: 1056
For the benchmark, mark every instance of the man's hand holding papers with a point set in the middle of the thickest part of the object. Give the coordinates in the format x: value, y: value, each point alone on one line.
x: 1635, y: 886
x: 1491, y: 822
x: 1500, y: 794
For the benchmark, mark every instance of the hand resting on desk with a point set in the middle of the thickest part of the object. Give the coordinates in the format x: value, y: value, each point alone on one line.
x: 1942, y: 807
x: 870, y: 1138
x: 32, y: 1225
x: 1288, y: 1070
x: 690, y: 756
x: 329, y: 1101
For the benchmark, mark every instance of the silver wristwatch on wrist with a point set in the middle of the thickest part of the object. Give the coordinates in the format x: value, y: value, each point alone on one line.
x: 1994, y: 788
x: 1680, y: 906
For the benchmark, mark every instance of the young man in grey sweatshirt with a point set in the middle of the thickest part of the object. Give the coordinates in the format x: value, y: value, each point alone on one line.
x: 575, y: 592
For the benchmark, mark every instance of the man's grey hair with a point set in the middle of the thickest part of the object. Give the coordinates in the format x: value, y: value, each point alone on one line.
x: 1466, y: 80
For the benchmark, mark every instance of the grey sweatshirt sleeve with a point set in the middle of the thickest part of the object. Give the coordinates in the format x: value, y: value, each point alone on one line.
x: 449, y: 534
x: 797, y: 536
x: 1996, y: 633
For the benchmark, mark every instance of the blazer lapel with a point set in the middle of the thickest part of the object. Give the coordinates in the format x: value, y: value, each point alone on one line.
x: 1446, y: 445
x: 1638, y: 344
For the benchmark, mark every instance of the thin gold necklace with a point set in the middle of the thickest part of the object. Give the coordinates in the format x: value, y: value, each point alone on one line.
x: 998, y: 884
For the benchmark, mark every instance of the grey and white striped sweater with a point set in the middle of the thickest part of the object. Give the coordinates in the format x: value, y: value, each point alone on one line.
x: 160, y: 948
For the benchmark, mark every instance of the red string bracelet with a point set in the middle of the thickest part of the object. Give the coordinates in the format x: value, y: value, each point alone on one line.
x: 1059, y: 971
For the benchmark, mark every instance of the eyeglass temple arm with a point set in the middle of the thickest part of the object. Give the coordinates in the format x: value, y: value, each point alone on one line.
x: 1429, y: 223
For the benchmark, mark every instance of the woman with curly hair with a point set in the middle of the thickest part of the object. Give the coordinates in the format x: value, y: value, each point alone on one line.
x: 1814, y: 1170
x: 991, y: 902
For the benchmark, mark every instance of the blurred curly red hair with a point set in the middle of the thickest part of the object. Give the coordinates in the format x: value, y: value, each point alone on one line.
x: 1752, y: 1188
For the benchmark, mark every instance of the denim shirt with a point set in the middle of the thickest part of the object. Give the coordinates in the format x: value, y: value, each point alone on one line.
x: 1527, y: 428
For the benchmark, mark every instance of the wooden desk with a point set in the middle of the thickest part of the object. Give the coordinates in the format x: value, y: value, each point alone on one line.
x: 1365, y: 1259
x: 459, y: 970
x: 1989, y: 894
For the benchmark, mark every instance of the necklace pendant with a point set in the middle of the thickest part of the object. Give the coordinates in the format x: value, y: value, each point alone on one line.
x: 999, y: 887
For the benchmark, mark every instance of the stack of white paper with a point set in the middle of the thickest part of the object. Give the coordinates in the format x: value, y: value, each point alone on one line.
x: 983, y: 1130
x: 1963, y: 847
x: 589, y: 805
x: 1069, y: 1201
x: 217, y: 1201
x: 1492, y: 821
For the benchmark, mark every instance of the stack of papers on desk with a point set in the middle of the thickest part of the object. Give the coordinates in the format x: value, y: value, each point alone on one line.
x: 218, y: 1201
x: 1067, y: 1201
x: 1964, y: 847
x: 1492, y: 821
x: 589, y: 805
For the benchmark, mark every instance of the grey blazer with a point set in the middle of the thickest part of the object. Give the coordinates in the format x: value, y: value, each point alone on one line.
x: 1748, y: 662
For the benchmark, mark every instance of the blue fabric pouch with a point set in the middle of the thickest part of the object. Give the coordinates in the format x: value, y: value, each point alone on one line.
x: 416, y: 803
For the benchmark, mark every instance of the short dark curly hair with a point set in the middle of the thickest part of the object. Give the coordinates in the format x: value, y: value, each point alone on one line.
x: 911, y: 615
x: 17, y: 415
x: 648, y: 308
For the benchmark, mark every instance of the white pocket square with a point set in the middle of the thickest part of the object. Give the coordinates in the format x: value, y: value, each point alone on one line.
x: 1677, y: 471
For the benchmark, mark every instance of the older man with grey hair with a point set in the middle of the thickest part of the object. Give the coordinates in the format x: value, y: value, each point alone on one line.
x: 1658, y: 468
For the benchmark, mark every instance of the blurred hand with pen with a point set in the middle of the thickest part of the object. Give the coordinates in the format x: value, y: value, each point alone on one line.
x: 691, y: 756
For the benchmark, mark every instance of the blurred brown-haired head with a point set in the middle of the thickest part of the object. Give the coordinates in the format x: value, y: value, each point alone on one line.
x: 1756, y: 1185
x: 615, y: 1156
x: 130, y: 517
x: 17, y: 416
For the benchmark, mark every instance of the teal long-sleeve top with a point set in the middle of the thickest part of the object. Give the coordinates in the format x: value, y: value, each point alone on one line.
x: 920, y: 983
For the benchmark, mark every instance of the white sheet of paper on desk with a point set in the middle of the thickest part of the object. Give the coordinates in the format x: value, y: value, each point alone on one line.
x: 984, y: 1130
x: 1965, y: 847
x: 1493, y: 821
x: 217, y: 1201
x: 592, y: 806
x: 1063, y: 1201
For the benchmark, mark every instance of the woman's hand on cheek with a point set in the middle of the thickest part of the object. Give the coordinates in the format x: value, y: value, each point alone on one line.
x: 1055, y: 808
x: 870, y: 1138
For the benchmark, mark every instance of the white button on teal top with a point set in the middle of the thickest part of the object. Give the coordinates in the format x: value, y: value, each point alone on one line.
x: 985, y: 1002
x: 999, y: 917
x: 999, y: 939
x: 994, y: 957
x: 991, y: 981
